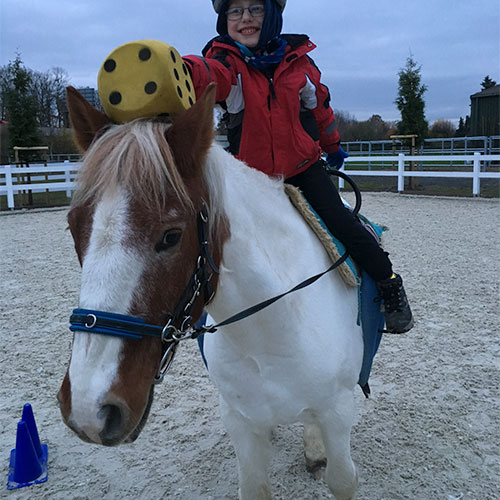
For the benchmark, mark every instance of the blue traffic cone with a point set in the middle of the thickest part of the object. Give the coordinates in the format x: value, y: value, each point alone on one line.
x: 26, y: 467
x: 29, y: 419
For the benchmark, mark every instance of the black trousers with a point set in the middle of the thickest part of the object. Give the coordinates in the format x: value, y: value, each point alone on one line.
x: 323, y: 196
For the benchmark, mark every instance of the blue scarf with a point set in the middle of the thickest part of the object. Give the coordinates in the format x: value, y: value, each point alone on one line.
x: 261, y: 59
x: 271, y: 47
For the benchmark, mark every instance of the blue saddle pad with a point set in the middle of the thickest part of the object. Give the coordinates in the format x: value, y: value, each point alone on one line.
x: 372, y: 324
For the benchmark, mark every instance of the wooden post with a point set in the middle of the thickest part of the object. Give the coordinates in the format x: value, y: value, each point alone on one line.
x: 22, y: 193
x: 412, y: 151
x: 44, y: 149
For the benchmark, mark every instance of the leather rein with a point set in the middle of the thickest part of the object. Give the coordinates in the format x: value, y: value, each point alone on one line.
x: 178, y: 326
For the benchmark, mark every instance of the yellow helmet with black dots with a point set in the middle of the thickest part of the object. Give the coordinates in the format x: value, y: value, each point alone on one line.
x: 145, y: 78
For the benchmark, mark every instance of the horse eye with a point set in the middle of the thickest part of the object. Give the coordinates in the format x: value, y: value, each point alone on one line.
x: 170, y: 239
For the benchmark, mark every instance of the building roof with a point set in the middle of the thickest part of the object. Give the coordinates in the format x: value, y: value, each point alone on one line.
x: 495, y: 90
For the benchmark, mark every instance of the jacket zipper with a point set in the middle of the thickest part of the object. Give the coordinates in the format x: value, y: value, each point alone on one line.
x: 270, y: 97
x: 273, y: 93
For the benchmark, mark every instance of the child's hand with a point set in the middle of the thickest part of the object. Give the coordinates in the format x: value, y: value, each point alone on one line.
x: 336, y: 160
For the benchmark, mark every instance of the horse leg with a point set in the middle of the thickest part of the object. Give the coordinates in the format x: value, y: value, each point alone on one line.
x: 314, y: 449
x: 251, y: 445
x: 336, y: 423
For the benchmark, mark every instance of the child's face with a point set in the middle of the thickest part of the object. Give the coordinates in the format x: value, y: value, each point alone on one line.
x: 247, y: 29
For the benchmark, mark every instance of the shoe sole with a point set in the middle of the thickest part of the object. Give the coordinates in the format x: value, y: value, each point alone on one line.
x: 407, y: 328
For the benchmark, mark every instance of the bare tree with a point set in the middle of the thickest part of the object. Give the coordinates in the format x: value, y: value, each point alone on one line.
x: 48, y: 90
x: 442, y: 128
x: 60, y: 82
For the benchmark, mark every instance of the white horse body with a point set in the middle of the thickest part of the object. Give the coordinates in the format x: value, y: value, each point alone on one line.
x: 135, y: 229
x: 299, y: 359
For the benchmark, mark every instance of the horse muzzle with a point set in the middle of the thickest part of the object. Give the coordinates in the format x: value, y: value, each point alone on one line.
x: 109, y: 424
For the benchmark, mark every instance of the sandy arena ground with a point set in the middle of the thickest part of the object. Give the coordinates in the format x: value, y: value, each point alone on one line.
x: 431, y: 431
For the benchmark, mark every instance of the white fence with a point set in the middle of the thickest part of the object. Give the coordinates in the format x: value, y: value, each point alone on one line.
x: 61, y: 176
x: 471, y: 162
x: 37, y: 179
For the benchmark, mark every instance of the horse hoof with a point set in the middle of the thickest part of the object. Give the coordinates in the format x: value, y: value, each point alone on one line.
x: 315, y: 467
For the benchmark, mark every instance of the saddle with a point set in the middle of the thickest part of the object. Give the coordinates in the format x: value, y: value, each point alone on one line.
x: 349, y: 270
x: 370, y: 317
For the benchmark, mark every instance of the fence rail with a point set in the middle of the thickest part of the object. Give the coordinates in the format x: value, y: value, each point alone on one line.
x: 61, y: 176
x: 37, y: 179
x: 473, y: 171
x: 443, y: 146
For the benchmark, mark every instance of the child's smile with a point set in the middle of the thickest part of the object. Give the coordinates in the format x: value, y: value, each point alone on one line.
x: 247, y: 29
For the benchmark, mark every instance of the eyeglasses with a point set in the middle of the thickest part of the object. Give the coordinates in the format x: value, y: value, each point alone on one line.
x: 236, y: 13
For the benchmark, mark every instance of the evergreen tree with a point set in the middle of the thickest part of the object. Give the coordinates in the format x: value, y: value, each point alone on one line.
x: 410, y: 101
x: 461, y: 130
x: 21, y: 107
x: 487, y: 82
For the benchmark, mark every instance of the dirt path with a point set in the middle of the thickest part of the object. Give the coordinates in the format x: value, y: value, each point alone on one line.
x: 430, y: 431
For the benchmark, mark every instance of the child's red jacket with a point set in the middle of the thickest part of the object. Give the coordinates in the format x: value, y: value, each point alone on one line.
x: 276, y: 124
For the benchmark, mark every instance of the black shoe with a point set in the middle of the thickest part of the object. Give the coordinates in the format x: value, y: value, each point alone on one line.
x: 398, y: 317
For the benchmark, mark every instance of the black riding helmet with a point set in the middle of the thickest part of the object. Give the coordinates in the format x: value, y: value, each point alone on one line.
x: 219, y: 4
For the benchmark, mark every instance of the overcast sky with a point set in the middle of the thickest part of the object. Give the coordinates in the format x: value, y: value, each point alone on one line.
x: 362, y: 44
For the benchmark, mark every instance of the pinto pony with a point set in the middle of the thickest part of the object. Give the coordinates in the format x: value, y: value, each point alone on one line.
x: 134, y: 222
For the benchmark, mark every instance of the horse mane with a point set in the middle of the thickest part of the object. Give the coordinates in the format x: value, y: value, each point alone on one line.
x: 135, y: 156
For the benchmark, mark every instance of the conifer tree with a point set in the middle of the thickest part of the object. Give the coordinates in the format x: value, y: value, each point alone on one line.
x: 410, y: 101
x: 21, y: 107
x: 461, y: 130
x: 487, y: 83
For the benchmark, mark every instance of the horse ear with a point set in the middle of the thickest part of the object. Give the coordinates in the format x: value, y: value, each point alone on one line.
x: 85, y: 119
x: 192, y: 134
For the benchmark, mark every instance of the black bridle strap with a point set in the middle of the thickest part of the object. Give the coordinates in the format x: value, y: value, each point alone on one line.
x: 266, y: 303
x: 262, y: 305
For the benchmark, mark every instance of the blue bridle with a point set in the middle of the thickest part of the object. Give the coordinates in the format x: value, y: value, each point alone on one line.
x: 178, y: 324
x: 106, y: 323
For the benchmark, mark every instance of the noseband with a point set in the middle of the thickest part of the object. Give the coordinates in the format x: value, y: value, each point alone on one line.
x: 178, y: 324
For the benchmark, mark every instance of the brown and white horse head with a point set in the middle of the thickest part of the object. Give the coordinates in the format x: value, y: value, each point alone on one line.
x: 134, y: 224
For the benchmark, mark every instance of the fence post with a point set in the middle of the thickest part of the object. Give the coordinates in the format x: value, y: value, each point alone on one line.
x: 8, y: 184
x: 341, y: 181
x: 67, y: 177
x: 476, y: 169
x: 401, y: 172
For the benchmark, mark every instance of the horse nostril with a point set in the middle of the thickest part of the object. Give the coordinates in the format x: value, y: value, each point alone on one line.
x: 113, y: 426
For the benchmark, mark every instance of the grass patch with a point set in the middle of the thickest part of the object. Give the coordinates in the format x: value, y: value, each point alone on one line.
x: 490, y: 188
x: 37, y: 200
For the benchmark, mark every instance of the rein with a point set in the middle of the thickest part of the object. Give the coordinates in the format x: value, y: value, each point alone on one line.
x: 178, y: 325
